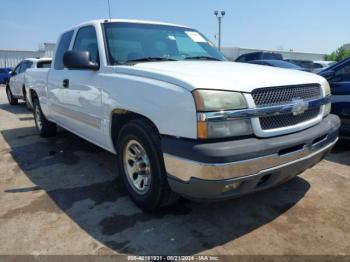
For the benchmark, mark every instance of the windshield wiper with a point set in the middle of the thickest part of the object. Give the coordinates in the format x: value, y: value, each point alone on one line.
x: 202, y: 58
x: 150, y: 59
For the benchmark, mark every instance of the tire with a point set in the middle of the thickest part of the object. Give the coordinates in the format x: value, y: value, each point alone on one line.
x: 139, y: 142
x: 10, y: 97
x: 44, y: 127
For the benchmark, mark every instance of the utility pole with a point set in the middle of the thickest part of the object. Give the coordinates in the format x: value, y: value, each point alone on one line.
x: 109, y: 10
x: 219, y: 15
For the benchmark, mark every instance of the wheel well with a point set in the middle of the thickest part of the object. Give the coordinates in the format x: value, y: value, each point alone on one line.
x: 33, y: 94
x: 122, y: 117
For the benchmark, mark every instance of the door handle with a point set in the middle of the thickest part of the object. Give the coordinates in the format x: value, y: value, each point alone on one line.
x: 65, y: 83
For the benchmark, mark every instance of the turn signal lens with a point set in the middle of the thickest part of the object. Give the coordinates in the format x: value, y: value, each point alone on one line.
x: 327, y: 109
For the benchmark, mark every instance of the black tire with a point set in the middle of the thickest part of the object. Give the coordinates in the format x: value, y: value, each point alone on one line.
x: 44, y: 127
x: 10, y: 97
x: 159, y: 193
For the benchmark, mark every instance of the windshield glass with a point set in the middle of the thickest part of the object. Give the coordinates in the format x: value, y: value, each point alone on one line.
x: 131, y: 41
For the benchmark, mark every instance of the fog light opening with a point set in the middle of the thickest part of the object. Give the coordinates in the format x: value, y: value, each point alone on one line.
x: 263, y: 180
x: 231, y: 187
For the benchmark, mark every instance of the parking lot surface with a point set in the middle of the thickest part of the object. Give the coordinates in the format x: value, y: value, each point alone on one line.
x: 63, y: 195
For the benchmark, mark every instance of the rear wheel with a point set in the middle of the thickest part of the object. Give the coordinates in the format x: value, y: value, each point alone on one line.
x: 44, y: 127
x: 10, y: 97
x: 141, y: 166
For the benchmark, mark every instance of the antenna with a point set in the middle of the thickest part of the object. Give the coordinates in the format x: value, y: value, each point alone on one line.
x: 109, y: 10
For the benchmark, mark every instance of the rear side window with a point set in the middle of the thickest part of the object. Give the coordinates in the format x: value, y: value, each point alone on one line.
x: 61, y: 49
x: 86, y: 40
x: 44, y: 64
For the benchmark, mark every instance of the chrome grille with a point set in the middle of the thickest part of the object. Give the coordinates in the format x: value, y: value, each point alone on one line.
x: 272, y: 122
x: 279, y: 95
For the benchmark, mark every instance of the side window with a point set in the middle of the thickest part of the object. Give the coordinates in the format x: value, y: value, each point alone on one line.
x: 241, y: 58
x: 252, y: 56
x: 44, y: 64
x: 342, y: 74
x: 61, y: 49
x: 23, y: 67
x: 26, y: 65
x: 86, y: 40
x: 317, y: 65
x: 18, y: 67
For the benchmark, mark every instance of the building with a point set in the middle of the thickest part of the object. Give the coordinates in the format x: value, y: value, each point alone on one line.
x: 232, y: 53
x: 10, y: 58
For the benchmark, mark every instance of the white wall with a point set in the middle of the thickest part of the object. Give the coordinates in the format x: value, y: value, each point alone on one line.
x: 10, y: 58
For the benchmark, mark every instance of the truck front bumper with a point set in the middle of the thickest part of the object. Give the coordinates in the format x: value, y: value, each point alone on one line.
x: 222, y: 170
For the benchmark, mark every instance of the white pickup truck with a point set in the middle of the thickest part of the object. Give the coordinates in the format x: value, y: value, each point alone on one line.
x: 16, y: 89
x: 181, y: 119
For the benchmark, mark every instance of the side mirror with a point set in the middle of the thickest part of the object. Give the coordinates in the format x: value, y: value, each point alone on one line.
x: 79, y: 60
x: 328, y: 74
x: 13, y: 73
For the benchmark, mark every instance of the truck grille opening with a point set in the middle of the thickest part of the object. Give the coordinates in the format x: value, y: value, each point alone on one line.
x: 272, y: 122
x: 280, y: 95
x: 271, y: 96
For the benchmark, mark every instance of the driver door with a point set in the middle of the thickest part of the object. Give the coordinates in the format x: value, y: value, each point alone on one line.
x: 15, y: 79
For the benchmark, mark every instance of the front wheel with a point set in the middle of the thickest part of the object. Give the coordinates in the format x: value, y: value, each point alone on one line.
x: 10, y: 97
x: 44, y: 127
x: 141, y: 166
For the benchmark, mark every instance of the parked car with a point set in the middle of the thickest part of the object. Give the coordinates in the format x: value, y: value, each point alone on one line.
x: 4, y: 75
x: 318, y: 66
x: 259, y: 56
x: 338, y: 76
x: 277, y: 63
x: 306, y: 64
x: 181, y: 119
x: 16, y: 88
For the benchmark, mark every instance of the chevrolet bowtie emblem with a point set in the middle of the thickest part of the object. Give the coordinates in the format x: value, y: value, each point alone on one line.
x: 299, y: 107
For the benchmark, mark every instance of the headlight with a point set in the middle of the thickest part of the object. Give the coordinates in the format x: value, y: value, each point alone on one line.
x: 327, y: 89
x: 213, y: 100
x: 210, y: 102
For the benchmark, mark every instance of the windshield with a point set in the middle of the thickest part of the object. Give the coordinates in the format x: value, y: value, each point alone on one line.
x: 150, y: 42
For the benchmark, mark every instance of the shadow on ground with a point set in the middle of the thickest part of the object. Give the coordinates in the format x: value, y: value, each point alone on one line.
x: 82, y: 180
x: 15, y: 109
x: 340, y: 153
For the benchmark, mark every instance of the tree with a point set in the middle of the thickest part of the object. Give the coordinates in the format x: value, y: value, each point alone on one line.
x: 338, y: 55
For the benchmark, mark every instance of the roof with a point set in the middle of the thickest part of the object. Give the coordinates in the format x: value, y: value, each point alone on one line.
x: 99, y: 21
x: 38, y: 59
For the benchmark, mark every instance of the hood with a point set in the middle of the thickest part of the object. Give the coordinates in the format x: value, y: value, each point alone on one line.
x: 220, y: 75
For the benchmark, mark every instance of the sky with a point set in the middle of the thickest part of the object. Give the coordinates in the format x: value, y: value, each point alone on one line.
x: 319, y: 26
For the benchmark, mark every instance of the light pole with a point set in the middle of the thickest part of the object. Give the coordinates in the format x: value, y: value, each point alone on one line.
x: 219, y: 15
